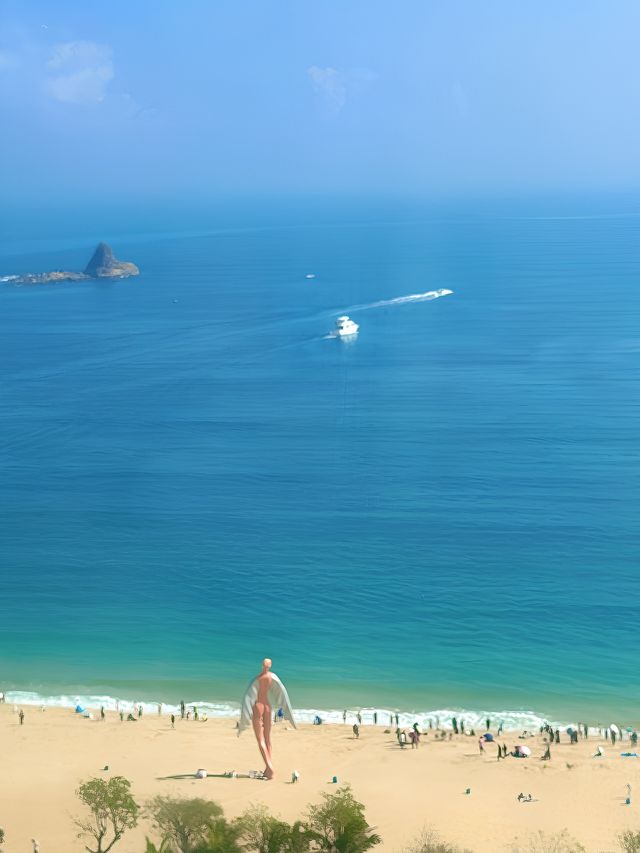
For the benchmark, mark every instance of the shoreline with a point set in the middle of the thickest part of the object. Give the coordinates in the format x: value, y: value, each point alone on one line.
x: 512, y: 721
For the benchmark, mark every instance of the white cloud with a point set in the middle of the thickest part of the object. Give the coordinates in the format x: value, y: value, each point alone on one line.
x: 334, y: 88
x: 330, y: 85
x: 80, y: 72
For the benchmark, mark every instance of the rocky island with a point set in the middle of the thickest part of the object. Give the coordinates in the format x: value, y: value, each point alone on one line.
x: 103, y: 264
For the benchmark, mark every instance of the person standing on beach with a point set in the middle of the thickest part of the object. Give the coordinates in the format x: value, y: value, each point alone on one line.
x: 344, y: 716
x: 488, y: 721
x: 356, y: 731
x: 481, y: 745
x: 140, y: 710
x: 359, y: 718
x: 557, y: 736
x: 21, y: 716
x: 102, y: 714
x: 375, y: 718
x: 182, y: 710
x: 173, y: 721
x: 454, y: 725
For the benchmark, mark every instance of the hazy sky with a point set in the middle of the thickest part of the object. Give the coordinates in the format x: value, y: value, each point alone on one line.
x: 203, y: 96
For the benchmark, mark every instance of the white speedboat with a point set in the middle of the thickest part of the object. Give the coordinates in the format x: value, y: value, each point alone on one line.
x: 310, y: 275
x: 345, y: 327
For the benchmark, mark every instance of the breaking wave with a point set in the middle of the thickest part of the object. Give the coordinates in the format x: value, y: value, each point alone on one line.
x: 442, y: 717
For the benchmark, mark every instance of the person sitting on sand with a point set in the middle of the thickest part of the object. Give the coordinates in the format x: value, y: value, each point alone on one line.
x: 131, y: 718
x: 547, y: 754
x: 599, y: 753
x: 356, y: 731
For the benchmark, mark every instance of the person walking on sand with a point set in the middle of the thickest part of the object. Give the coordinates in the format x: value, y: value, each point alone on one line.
x: 356, y: 731
x: 481, y: 745
x: 21, y: 716
x: 359, y: 718
x: 173, y: 721
x: 36, y: 845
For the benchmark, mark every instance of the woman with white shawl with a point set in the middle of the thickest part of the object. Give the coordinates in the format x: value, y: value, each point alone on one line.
x: 265, y: 691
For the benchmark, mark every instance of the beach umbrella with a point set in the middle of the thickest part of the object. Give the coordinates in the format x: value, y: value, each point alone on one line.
x: 571, y: 728
x: 524, y: 750
x: 614, y: 728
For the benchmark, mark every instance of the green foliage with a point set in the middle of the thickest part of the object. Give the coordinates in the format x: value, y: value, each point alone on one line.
x: 223, y: 838
x: 112, y: 811
x: 338, y: 824
x: 429, y: 842
x: 264, y: 833
x: 151, y: 847
x: 184, y: 825
x: 542, y: 842
x: 629, y: 841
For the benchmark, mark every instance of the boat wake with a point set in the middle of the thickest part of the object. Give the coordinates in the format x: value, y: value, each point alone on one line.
x: 403, y: 300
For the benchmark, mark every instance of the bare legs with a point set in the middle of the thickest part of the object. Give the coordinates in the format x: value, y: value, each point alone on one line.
x: 262, y: 731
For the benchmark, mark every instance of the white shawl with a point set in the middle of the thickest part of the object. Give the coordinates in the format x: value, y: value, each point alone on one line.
x: 278, y: 698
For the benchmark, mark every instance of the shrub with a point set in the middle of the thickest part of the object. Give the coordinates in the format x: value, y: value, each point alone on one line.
x: 184, y: 824
x: 429, y: 842
x: 629, y: 841
x: 543, y: 842
x: 265, y: 833
x: 338, y: 824
x: 113, y: 811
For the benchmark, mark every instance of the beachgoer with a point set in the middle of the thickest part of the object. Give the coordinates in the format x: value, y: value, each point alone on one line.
x: 356, y: 731
x: 454, y: 725
x: 122, y: 716
x: 36, y: 845
x: 375, y: 718
x: 461, y: 727
x: 390, y: 719
x: 613, y: 738
x: 21, y: 716
x: 140, y: 710
x: 547, y: 754
x: 634, y: 737
x: 182, y: 710
x: 102, y: 714
x: 188, y: 715
x: 131, y: 718
x: 195, y: 713
x: 499, y: 752
x: 295, y: 776
x: 344, y: 717
x: 557, y: 736
x: 397, y: 719
x: 488, y: 721
x: 500, y: 727
x: 159, y: 709
x: 481, y: 745
x: 403, y: 739
x: 359, y: 718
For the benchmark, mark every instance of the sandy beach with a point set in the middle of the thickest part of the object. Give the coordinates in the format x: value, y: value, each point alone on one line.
x: 403, y: 790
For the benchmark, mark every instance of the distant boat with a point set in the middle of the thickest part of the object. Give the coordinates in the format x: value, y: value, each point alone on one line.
x: 345, y: 327
x: 310, y: 275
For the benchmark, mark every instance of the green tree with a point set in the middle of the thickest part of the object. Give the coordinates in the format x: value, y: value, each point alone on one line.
x: 629, y: 841
x: 112, y: 811
x: 429, y: 842
x: 185, y: 825
x: 542, y: 842
x: 264, y: 833
x: 1, y: 837
x: 338, y: 824
x: 223, y: 838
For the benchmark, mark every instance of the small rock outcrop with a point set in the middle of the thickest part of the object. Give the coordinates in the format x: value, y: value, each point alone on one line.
x: 103, y: 264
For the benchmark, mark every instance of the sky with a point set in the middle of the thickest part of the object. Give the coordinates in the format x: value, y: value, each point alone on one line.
x: 164, y: 99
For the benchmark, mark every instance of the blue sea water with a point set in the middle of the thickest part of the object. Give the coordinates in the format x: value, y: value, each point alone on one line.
x: 441, y: 514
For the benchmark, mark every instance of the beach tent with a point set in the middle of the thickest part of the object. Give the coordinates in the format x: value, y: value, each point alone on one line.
x: 488, y: 737
x: 79, y: 709
x: 615, y: 729
x: 524, y: 751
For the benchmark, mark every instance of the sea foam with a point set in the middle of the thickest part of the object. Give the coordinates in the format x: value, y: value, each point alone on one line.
x: 441, y: 717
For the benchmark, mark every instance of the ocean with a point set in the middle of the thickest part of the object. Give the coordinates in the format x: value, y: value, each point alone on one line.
x: 439, y: 516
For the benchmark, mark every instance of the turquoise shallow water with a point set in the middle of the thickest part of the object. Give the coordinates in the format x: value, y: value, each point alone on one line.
x: 442, y: 514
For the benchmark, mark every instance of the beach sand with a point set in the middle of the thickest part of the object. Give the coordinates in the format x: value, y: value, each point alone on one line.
x: 403, y: 790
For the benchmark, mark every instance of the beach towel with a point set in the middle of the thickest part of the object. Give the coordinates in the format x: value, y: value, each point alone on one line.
x: 278, y: 697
